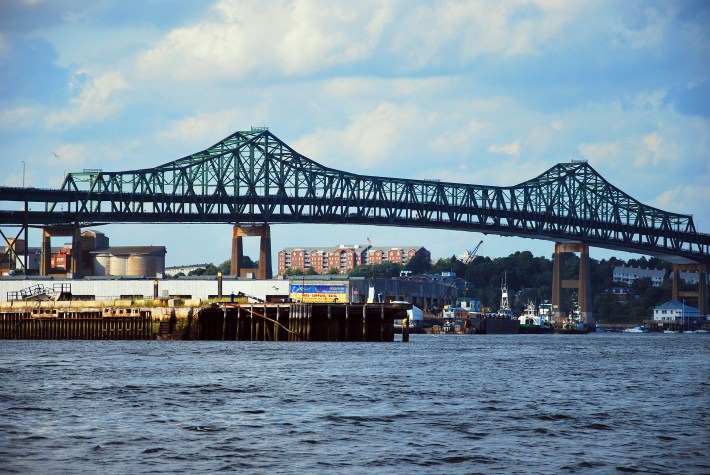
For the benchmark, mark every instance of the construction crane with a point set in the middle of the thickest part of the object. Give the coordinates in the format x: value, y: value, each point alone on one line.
x: 469, y: 256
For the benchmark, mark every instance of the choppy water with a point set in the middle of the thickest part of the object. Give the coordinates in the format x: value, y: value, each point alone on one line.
x: 599, y: 403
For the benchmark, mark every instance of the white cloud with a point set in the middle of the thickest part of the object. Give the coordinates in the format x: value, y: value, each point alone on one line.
x: 459, y: 138
x: 653, y: 151
x: 70, y: 155
x: 18, y: 117
x: 371, y: 138
x: 92, y: 104
x: 437, y: 32
x: 284, y: 37
x: 201, y: 130
x: 599, y: 152
x: 512, y: 149
x: 685, y: 199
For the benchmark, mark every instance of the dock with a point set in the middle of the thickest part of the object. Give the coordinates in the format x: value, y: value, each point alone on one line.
x: 175, y: 319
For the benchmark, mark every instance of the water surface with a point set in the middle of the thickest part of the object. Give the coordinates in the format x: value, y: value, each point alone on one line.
x: 601, y: 403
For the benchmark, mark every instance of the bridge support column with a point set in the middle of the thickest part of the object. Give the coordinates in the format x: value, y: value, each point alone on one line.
x: 265, y: 253
x: 264, y: 232
x: 76, y: 254
x: 699, y: 294
x: 582, y: 284
x: 45, y: 264
x: 74, y: 264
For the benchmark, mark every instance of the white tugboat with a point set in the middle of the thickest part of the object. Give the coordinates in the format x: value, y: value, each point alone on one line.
x: 532, y: 321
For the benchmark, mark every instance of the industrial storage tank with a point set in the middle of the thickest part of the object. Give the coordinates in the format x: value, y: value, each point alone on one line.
x: 118, y: 265
x: 102, y: 264
x: 141, y: 264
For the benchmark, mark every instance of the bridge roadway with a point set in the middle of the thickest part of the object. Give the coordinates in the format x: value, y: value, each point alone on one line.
x: 252, y: 177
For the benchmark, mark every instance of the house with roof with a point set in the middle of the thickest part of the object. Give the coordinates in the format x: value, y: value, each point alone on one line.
x: 676, y: 311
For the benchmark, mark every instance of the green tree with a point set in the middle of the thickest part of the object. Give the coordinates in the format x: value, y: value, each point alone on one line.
x: 419, y: 263
x: 225, y: 268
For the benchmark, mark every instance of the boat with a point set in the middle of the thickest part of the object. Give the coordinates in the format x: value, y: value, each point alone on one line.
x: 415, y: 319
x: 534, y: 322
x: 500, y: 323
x: 638, y: 329
x: 574, y: 324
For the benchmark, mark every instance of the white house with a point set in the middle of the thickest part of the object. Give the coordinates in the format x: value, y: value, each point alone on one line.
x: 675, y: 311
x: 628, y: 275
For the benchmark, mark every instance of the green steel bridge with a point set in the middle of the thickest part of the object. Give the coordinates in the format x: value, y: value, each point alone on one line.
x: 252, y: 177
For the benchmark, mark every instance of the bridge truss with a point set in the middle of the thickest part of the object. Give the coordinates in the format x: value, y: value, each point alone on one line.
x: 253, y: 177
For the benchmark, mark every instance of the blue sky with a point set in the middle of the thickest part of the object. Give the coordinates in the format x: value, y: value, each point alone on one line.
x: 483, y: 92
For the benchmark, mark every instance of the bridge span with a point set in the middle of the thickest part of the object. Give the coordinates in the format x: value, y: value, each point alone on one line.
x: 253, y: 178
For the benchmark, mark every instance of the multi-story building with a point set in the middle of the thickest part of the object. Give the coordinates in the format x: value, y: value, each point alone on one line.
x: 343, y: 258
x: 628, y: 275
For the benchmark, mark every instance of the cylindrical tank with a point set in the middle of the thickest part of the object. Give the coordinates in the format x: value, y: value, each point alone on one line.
x: 141, y: 265
x: 102, y: 264
x: 118, y: 265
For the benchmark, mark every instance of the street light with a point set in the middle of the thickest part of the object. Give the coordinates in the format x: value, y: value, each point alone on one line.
x: 23, y: 173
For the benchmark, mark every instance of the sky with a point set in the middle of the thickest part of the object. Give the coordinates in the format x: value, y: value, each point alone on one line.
x: 477, y: 92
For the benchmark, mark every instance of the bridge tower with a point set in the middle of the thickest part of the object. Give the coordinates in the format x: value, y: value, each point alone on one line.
x: 264, y: 232
x: 698, y: 294
x: 582, y: 284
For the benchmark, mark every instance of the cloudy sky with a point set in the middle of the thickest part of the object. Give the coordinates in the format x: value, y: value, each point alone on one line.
x: 482, y: 92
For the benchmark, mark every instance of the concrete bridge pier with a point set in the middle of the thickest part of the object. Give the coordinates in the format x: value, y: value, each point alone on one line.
x: 264, y: 232
x: 73, y: 267
x: 582, y: 284
x: 698, y: 294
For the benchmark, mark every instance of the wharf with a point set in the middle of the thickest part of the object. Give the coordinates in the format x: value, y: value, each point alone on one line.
x: 175, y: 319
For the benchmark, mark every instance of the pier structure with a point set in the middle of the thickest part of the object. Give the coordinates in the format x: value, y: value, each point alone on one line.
x: 195, y: 320
x: 582, y: 283
x: 300, y: 322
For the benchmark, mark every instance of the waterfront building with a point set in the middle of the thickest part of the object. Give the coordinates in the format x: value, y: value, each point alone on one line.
x: 675, y: 311
x: 344, y: 258
x: 145, y: 261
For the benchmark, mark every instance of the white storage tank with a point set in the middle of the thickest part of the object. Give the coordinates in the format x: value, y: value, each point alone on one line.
x: 102, y: 264
x: 118, y: 265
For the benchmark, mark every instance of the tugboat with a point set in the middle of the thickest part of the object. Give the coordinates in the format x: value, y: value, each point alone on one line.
x: 535, y: 322
x: 502, y: 322
x: 574, y: 324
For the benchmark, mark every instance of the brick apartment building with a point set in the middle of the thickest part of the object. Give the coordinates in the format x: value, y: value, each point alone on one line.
x: 344, y: 257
